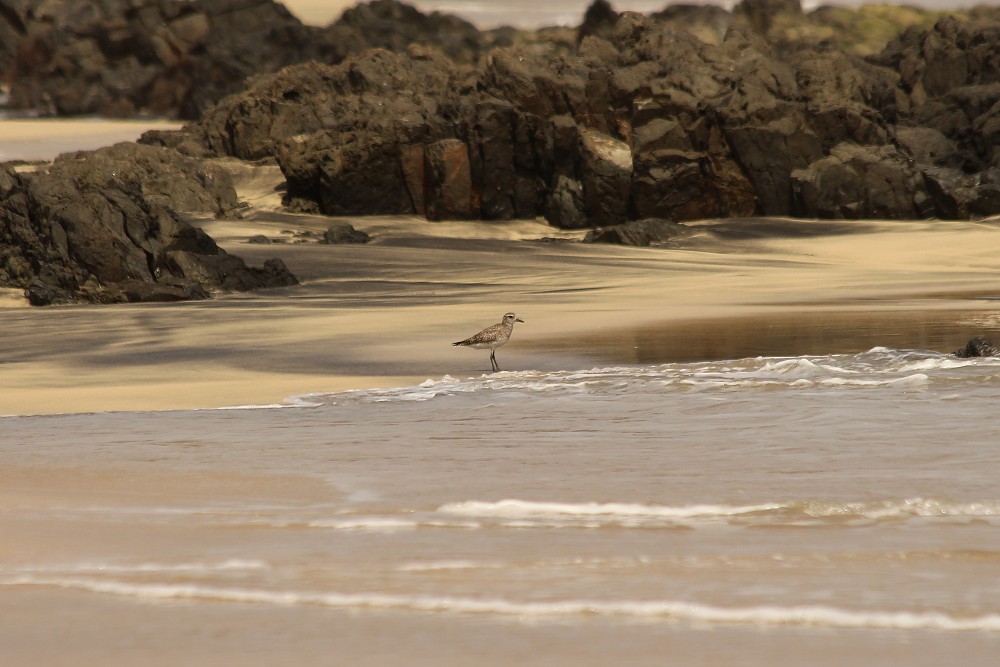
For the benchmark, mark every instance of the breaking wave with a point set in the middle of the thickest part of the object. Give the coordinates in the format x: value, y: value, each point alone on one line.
x: 554, y: 514
x: 665, y: 610
x: 879, y: 368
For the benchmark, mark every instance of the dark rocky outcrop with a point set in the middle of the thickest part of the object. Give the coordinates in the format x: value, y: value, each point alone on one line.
x: 762, y: 14
x: 642, y: 120
x: 611, y: 135
x: 177, y: 58
x: 978, y: 347
x: 648, y: 123
x: 392, y: 25
x: 102, y: 227
x: 623, y: 126
x: 709, y: 22
x: 949, y: 81
x: 120, y: 57
x: 599, y: 20
x: 343, y: 232
x: 651, y: 231
x: 861, y: 182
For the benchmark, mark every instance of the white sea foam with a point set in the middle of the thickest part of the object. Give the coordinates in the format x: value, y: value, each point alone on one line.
x: 388, y: 524
x: 800, y: 367
x: 875, y: 369
x: 230, y: 565
x: 512, y: 513
x: 914, y: 380
x: 666, y: 610
x: 512, y: 509
x: 369, y: 524
x: 935, y: 363
x: 910, y: 507
x: 445, y: 565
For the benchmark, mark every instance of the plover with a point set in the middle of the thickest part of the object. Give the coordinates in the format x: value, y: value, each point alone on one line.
x: 492, y: 337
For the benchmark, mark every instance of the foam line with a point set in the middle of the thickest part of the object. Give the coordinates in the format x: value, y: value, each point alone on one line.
x: 808, y: 616
x: 522, y: 508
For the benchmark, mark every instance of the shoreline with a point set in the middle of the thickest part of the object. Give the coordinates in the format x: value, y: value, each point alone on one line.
x: 383, y: 315
x: 37, y: 390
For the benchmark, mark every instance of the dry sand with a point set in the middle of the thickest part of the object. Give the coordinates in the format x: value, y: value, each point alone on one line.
x: 484, y: 14
x: 385, y: 313
x: 32, y: 139
x: 318, y: 12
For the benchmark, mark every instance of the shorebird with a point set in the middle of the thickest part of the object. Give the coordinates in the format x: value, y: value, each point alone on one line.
x: 492, y: 337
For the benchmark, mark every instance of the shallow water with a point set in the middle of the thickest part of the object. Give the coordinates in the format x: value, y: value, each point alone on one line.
x: 768, y: 510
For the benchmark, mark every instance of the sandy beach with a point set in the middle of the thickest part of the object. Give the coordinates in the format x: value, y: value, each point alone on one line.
x: 384, y: 314
x: 32, y: 139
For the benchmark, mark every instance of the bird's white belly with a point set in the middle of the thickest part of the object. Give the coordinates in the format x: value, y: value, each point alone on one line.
x: 490, y: 345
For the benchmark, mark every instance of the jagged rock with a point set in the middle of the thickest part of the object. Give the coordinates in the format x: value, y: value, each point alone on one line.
x: 344, y: 232
x: 927, y: 146
x: 960, y: 196
x: 448, y: 191
x: 166, y: 178
x: 542, y: 85
x: 346, y: 175
x: 492, y: 133
x: 951, y: 54
x: 978, y: 347
x: 709, y: 23
x: 949, y: 81
x: 761, y: 14
x: 860, y: 182
x: 644, y: 121
x: 122, y: 57
x: 606, y: 170
x: 392, y: 25
x: 14, y: 20
x: 41, y: 293
x: 566, y: 207
x: 102, y: 227
x: 273, y: 273
x: 599, y: 20
x: 651, y: 231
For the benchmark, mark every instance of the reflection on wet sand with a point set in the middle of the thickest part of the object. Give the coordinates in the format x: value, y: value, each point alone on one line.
x: 785, y: 334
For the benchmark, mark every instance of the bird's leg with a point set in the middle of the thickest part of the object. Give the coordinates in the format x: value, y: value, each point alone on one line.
x: 493, y: 360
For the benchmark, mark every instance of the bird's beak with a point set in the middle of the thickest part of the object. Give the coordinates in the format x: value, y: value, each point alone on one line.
x: 518, y: 319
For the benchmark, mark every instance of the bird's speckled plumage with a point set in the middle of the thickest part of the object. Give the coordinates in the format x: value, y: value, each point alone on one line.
x: 492, y: 337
